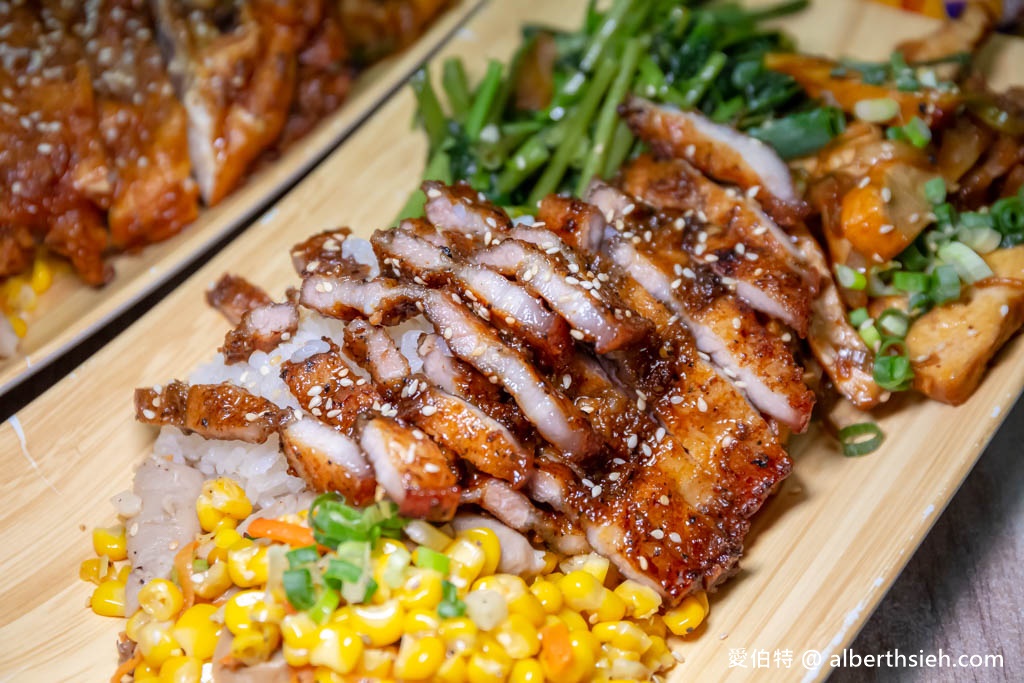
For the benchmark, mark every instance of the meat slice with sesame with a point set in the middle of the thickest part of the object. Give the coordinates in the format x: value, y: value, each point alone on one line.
x: 260, y: 329
x: 328, y: 460
x: 214, y: 411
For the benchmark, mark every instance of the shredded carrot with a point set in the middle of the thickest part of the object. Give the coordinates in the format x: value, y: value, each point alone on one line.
x: 295, y: 535
x: 555, y: 649
x: 127, y: 666
x: 183, y: 565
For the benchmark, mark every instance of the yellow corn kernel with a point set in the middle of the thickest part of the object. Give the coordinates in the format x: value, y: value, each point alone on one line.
x: 226, y: 537
x: 623, y: 635
x: 612, y: 607
x: 338, y: 648
x: 619, y: 664
x: 592, y: 563
x: 146, y: 673
x: 419, y: 658
x: 528, y: 606
x: 550, y: 563
x: 467, y: 562
x: 581, y: 591
x: 641, y: 601
x: 211, y: 583
x: 322, y: 674
x: 248, y: 565
x: 111, y: 542
x: 381, y: 624
x: 181, y: 669
x: 583, y: 660
x: 221, y: 498
x: 574, y: 620
x: 18, y: 324
x: 108, y: 599
x: 459, y: 634
x: 96, y: 570
x: 161, y: 599
x: 487, y: 541
x: 658, y: 656
x: 376, y: 663
x: 238, y: 610
x: 422, y: 590
x: 686, y: 617
x: 420, y: 621
x: 526, y: 671
x: 343, y: 616
x: 490, y: 665
x: 42, y: 275
x: 133, y: 626
x: 300, y: 631
x: 156, y: 642
x: 256, y: 644
x: 452, y: 670
x: 518, y: 636
x: 295, y: 656
x: 197, y: 632
x: 547, y: 594
x: 653, y: 625
x: 388, y: 546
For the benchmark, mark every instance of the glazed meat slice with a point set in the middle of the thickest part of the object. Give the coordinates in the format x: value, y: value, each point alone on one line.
x: 213, y: 411
x: 720, y: 151
x: 492, y: 296
x: 454, y: 423
x: 329, y: 253
x: 261, y: 329
x: 577, y: 223
x: 329, y: 389
x: 143, y: 126
x: 414, y: 471
x: 471, y: 340
x: 591, y: 312
x: 731, y: 233
x: 233, y: 296
x: 234, y: 67
x: 54, y: 171
x: 462, y: 209
x: 328, y: 460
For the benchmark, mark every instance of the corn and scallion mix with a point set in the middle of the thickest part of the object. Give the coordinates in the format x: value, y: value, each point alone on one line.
x: 346, y: 594
x: 19, y: 294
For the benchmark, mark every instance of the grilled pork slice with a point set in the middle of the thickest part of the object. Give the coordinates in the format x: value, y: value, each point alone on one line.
x: 501, y: 302
x: 331, y: 253
x: 143, y: 126
x: 461, y: 208
x: 414, y: 471
x: 327, y: 387
x: 328, y: 460
x: 214, y: 411
x: 54, y: 171
x: 234, y: 68
x: 720, y: 151
x: 233, y: 296
x: 452, y: 422
x: 577, y: 223
x: 730, y: 233
x: 471, y: 340
x: 261, y: 329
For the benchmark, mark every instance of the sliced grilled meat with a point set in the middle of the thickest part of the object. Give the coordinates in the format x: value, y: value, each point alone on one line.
x: 417, y: 474
x: 327, y: 253
x: 328, y: 460
x: 233, y: 296
x: 261, y: 329
x: 214, y: 411
x: 327, y: 387
x: 461, y: 208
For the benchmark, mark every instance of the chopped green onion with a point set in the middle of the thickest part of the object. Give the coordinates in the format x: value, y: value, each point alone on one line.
x: 325, y: 604
x: 302, y: 556
x: 343, y: 571
x: 1008, y: 219
x: 877, y: 110
x: 870, y: 334
x: 298, y: 588
x: 981, y: 239
x: 860, y: 439
x: 451, y: 606
x: 431, y: 559
x: 945, y: 285
x: 894, y: 322
x: 935, y: 191
x: 394, y: 568
x: 859, y: 316
x: 876, y: 285
x: 910, y: 282
x: 335, y: 523
x: 916, y: 132
x: 893, y: 372
x: 850, y: 278
x: 968, y: 264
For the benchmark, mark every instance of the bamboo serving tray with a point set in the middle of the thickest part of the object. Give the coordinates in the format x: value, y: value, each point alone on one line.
x: 70, y: 311
x: 821, y: 555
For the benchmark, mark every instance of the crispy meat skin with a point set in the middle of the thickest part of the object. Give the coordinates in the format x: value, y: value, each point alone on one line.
x: 214, y: 411
x: 233, y: 296
x: 326, y: 386
x: 260, y: 329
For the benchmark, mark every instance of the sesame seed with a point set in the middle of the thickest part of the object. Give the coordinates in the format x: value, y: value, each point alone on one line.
x: 427, y: 411
x: 566, y: 381
x: 614, y: 476
x: 676, y: 400
x: 658, y: 534
x: 664, y: 499
x: 596, y: 491
x: 702, y: 405
x: 1004, y: 310
x: 315, y: 390
x: 431, y: 467
x: 433, y: 193
x: 864, y: 182
x: 148, y: 414
x: 576, y: 334
x: 632, y: 441
x: 886, y: 229
x: 886, y: 195
x: 736, y: 323
x: 675, y: 537
x: 643, y: 563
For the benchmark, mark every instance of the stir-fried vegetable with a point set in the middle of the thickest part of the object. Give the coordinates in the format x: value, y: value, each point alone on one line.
x: 363, y: 601
x: 548, y: 120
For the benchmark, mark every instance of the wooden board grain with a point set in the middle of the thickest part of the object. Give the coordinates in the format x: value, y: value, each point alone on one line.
x: 70, y: 311
x: 819, y: 559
